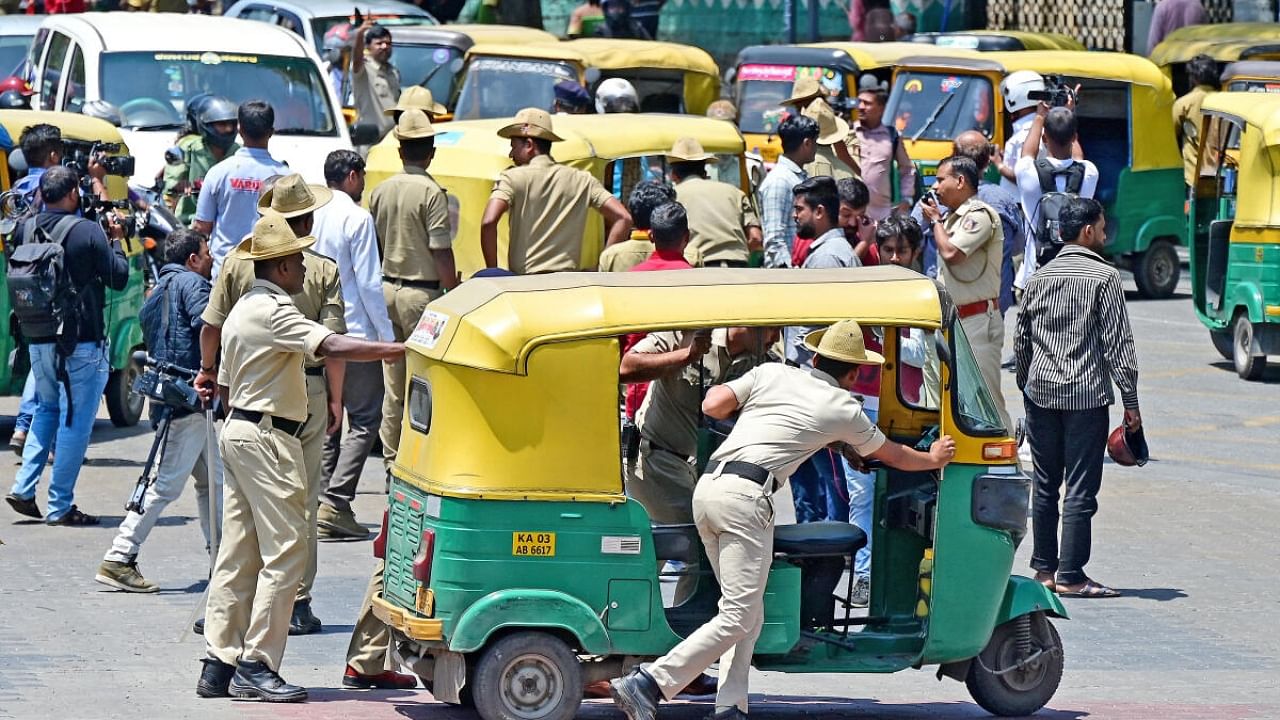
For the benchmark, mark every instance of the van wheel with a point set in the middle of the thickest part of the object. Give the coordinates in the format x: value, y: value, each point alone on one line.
x: 1157, y: 270
x: 1002, y: 680
x: 124, y: 406
x: 528, y: 676
x: 1224, y: 343
x: 1248, y: 365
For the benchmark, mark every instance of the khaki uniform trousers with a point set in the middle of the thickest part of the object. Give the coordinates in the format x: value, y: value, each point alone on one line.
x: 985, y: 332
x: 663, y: 484
x: 263, y: 552
x: 312, y: 439
x: 370, y: 639
x: 405, y: 305
x: 735, y: 521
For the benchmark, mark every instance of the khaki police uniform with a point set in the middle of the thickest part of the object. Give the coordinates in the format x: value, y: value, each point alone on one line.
x: 719, y: 214
x: 625, y: 255
x: 831, y: 130
x: 320, y: 302
x: 263, y: 554
x: 548, y: 214
x: 376, y: 87
x: 786, y: 415
x: 974, y: 284
x: 411, y: 218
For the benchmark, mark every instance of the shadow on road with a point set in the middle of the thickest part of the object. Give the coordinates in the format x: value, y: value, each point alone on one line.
x: 1270, y: 376
x: 1157, y: 594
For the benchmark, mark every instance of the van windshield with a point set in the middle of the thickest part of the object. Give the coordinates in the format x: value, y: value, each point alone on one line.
x: 152, y: 88
x: 427, y: 65
x: 501, y: 87
x: 762, y: 88
x: 940, y: 106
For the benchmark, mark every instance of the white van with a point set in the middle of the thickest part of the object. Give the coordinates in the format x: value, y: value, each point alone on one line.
x: 149, y: 64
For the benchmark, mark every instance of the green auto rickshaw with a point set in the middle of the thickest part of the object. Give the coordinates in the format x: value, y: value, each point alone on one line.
x: 517, y: 570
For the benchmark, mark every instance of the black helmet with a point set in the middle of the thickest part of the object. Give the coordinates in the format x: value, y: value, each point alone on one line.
x: 14, y: 100
x: 216, y: 110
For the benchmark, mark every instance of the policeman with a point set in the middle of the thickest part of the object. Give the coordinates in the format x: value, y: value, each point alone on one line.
x: 548, y: 203
x: 375, y: 81
x: 724, y: 228
x: 785, y: 414
x: 320, y: 301
x: 216, y: 125
x: 809, y: 99
x: 263, y: 553
x: 833, y: 158
x: 411, y: 216
x: 971, y: 247
x: 415, y: 96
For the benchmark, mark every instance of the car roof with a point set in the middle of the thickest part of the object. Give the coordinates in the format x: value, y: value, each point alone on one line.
x: 146, y: 32
x: 338, y: 8
x: 494, y: 323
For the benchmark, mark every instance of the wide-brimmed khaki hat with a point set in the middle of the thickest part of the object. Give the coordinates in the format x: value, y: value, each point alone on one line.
x: 416, y: 97
x: 805, y: 89
x: 843, y: 341
x: 414, y: 125
x: 831, y: 127
x: 687, y: 149
x: 272, y: 238
x: 291, y: 196
x: 530, y: 123
x: 723, y: 110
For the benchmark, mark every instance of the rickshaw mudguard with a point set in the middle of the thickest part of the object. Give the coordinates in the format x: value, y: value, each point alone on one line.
x: 1157, y: 227
x: 1248, y: 295
x: 529, y: 609
x: 1023, y: 596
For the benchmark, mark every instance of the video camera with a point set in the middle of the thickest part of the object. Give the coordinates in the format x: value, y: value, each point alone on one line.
x: 1056, y: 92
x: 78, y: 154
x: 166, y: 383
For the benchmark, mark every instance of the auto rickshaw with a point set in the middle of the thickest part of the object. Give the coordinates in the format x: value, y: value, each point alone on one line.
x: 1126, y: 129
x: 1224, y: 42
x: 989, y: 40
x: 82, y: 135
x: 517, y: 569
x: 498, y: 80
x: 618, y: 149
x: 1233, y: 229
x: 1256, y: 76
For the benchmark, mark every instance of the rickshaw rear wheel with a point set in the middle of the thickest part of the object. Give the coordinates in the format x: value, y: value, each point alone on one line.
x: 1224, y: 343
x: 124, y: 406
x: 528, y: 676
x: 1157, y: 270
x: 1248, y: 365
x: 1000, y: 679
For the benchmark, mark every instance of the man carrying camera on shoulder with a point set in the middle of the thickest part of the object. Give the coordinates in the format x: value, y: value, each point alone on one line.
x: 171, y: 325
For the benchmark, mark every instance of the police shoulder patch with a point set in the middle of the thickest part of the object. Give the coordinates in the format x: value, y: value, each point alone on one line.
x: 969, y: 224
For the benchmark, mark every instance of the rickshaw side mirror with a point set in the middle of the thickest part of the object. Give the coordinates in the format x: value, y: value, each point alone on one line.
x: 940, y: 344
x: 455, y: 65
x: 730, y: 75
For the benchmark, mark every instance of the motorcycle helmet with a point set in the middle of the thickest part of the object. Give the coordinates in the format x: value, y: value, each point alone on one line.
x: 616, y: 95
x: 1016, y: 86
x: 194, y: 105
x: 217, y: 110
x: 103, y: 110
x: 14, y: 100
x: 335, y: 39
x: 15, y: 83
x: 1128, y: 448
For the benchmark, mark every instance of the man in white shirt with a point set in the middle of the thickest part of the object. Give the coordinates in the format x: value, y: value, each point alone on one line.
x: 1015, y: 89
x: 344, y: 231
x: 1057, y: 172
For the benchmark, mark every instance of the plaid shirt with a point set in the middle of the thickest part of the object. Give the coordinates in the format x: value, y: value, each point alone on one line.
x: 776, y: 219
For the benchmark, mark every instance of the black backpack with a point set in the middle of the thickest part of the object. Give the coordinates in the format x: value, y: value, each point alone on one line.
x: 41, y: 294
x: 1045, y: 223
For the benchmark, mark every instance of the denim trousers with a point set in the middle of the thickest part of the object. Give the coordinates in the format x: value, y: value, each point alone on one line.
x: 812, y: 488
x: 27, y: 409
x: 88, y: 368
x: 862, y: 497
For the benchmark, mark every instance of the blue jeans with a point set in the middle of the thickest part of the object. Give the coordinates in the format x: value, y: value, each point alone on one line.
x: 812, y: 485
x: 862, y: 496
x: 27, y: 409
x: 88, y: 368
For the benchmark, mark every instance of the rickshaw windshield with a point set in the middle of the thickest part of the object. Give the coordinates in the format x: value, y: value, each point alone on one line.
x: 976, y: 412
x: 938, y: 106
x: 501, y: 87
x: 762, y: 88
x: 622, y: 175
x: 427, y: 65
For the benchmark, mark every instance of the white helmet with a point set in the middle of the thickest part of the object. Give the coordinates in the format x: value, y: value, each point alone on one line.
x: 1017, y: 85
x: 616, y: 95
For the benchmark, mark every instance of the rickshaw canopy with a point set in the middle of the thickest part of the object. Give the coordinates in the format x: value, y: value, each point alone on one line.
x: 988, y: 40
x: 1258, y: 200
x: 73, y: 126
x: 1246, y: 72
x: 1225, y: 42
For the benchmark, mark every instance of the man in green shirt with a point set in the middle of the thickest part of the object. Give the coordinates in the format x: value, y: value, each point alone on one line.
x: 216, y: 126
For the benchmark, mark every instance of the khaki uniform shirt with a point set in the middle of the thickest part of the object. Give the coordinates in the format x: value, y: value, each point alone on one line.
x: 627, y: 254
x: 787, y: 414
x: 975, y: 228
x: 377, y: 88
x: 827, y: 163
x: 548, y: 210
x: 669, y: 416
x: 320, y: 300
x: 411, y: 217
x: 264, y: 341
x: 1187, y: 107
x: 718, y: 215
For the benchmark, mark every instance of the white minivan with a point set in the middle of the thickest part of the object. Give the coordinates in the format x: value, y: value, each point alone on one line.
x: 148, y: 65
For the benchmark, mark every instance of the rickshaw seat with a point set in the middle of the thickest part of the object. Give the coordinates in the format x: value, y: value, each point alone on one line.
x: 828, y: 537
x: 676, y: 542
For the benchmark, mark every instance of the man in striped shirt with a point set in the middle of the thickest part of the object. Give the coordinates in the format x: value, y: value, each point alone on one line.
x: 1072, y: 341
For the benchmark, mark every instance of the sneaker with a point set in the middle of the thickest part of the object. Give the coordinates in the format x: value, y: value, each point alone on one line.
x: 303, y: 622
x: 197, y: 627
x: 124, y: 576
x: 861, y: 592
x: 336, y: 523
x: 215, y: 679
x: 73, y: 518
x: 26, y: 507
x: 256, y: 681
x: 17, y: 442
x: 636, y: 694
x: 385, y: 680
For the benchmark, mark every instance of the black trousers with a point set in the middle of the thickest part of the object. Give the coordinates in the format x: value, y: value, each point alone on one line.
x: 1067, y: 447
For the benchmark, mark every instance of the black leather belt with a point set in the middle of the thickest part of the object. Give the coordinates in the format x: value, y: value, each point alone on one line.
x: 284, y: 425
x: 317, y: 371
x: 750, y: 471
x: 424, y: 284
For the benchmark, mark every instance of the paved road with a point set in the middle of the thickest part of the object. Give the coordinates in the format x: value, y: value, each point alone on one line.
x: 1190, y: 538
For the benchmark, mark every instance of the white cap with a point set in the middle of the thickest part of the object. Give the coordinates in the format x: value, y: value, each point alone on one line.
x: 612, y: 91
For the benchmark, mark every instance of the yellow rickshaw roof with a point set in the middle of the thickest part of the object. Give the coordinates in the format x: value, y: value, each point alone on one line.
x: 611, y: 54
x: 494, y: 323
x: 501, y: 33
x: 73, y: 125
x: 1033, y: 40
x: 1259, y: 109
x: 534, y: 51
x: 870, y: 56
x: 1100, y: 65
x: 1223, y: 42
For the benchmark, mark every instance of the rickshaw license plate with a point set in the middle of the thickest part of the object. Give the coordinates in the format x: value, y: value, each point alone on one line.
x: 533, y: 544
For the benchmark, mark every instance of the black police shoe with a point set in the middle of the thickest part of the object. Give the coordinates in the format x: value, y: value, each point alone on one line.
x: 636, y: 694
x: 214, y: 679
x: 254, y: 680
x: 303, y: 621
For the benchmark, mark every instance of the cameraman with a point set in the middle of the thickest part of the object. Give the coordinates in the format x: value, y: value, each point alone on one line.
x: 171, y: 326
x: 70, y: 369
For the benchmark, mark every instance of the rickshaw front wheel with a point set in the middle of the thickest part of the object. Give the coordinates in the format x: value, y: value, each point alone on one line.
x: 528, y: 676
x: 1019, y: 669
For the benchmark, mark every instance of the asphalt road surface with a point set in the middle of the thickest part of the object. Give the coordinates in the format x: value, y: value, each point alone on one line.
x: 1190, y: 538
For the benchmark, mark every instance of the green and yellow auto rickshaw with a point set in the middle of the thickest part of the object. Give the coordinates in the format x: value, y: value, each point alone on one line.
x: 517, y: 570
x: 1224, y: 42
x: 1233, y: 229
x: 82, y: 136
x: 1125, y: 113
x: 989, y: 40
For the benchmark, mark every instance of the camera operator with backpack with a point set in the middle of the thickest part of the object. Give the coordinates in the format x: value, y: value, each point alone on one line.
x: 56, y: 286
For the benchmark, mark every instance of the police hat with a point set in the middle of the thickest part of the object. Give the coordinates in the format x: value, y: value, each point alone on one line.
x: 530, y: 123
x: 844, y: 342
x: 271, y: 238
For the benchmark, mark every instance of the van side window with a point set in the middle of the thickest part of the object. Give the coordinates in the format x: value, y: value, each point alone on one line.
x: 75, y: 83
x: 52, y: 74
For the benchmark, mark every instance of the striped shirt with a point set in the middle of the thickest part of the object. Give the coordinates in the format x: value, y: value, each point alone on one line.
x: 776, y: 217
x: 1073, y: 336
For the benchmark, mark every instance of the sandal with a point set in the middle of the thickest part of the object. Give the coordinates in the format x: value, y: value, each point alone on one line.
x: 1089, y: 589
x: 1046, y: 579
x: 74, y: 518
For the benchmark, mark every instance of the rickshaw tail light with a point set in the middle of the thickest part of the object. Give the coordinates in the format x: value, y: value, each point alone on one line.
x: 422, y: 561
x: 380, y: 542
x: 1003, y: 450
